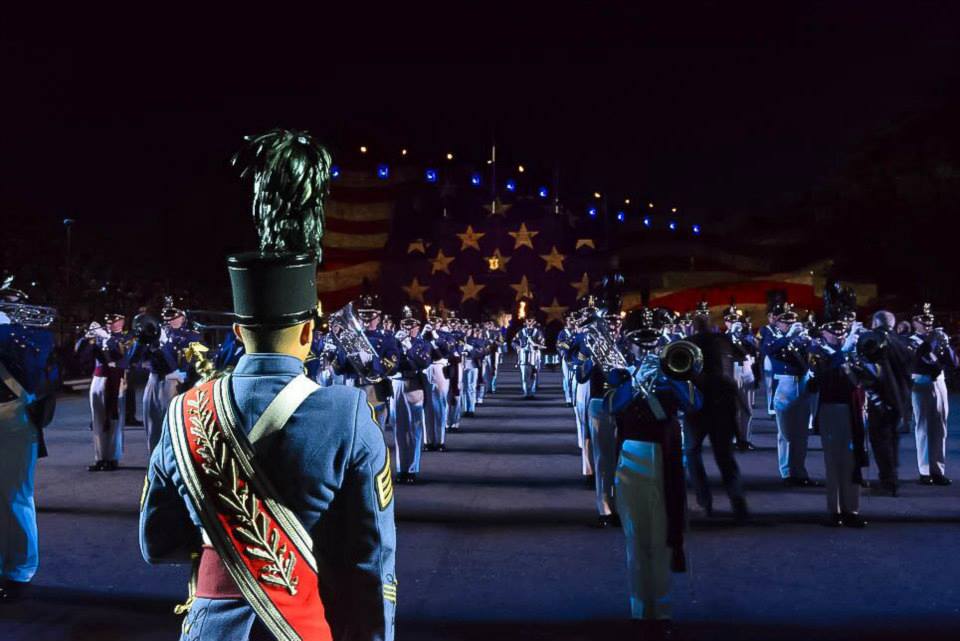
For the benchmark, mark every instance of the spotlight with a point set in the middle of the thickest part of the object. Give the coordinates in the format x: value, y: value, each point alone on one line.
x: 672, y: 225
x: 696, y: 229
x: 335, y: 171
x: 383, y: 172
x: 650, y: 205
x: 431, y: 175
x: 475, y: 180
x: 363, y: 149
x: 647, y: 222
x: 673, y: 209
x: 596, y: 194
x: 520, y: 168
x: 542, y: 192
x: 403, y: 152
x: 592, y: 212
x: 449, y: 156
x: 621, y: 216
x: 511, y: 185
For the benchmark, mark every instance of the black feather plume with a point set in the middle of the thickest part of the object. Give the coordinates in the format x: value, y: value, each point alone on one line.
x: 291, y: 180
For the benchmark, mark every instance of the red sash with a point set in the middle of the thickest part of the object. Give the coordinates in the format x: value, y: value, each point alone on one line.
x: 263, y: 546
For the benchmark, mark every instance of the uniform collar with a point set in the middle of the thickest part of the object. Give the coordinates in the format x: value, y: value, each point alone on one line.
x: 268, y: 365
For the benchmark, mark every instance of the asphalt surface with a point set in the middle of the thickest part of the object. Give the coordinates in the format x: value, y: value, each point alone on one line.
x: 497, y: 542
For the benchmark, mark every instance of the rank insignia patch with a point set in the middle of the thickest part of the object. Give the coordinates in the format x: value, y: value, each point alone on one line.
x: 390, y: 592
x: 384, y: 483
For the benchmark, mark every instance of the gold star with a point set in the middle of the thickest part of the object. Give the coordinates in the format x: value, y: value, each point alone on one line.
x: 522, y: 288
x: 554, y: 311
x: 417, y: 246
x: 582, y: 286
x: 585, y: 242
x: 497, y: 261
x: 497, y: 208
x: 415, y: 289
x: 554, y: 259
x: 470, y: 290
x: 470, y: 238
x: 441, y: 263
x: 523, y: 237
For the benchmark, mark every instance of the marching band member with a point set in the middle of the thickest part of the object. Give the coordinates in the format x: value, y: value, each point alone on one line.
x: 491, y: 363
x: 109, y: 345
x: 410, y: 394
x: 387, y: 356
x: 475, y: 349
x: 931, y: 405
x: 455, y: 356
x: 564, y: 340
x: 743, y: 374
x: 29, y: 378
x: 784, y: 344
x: 650, y: 490
x: 768, y: 333
x: 841, y: 423
x: 528, y: 343
x: 435, y: 404
x: 284, y: 488
x: 162, y: 350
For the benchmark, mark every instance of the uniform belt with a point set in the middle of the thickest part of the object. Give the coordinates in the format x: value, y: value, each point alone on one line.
x: 213, y: 579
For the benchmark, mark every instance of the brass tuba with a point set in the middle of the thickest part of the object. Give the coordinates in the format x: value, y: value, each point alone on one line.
x: 600, y: 342
x: 29, y: 315
x: 346, y: 330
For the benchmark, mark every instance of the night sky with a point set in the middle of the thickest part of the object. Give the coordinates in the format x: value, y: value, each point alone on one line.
x: 127, y: 127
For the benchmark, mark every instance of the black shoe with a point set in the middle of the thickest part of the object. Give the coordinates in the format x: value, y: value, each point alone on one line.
x: 133, y: 423
x: 430, y: 447
x: 604, y: 521
x: 707, y: 510
x: 590, y: 481
x: 615, y: 520
x: 940, y: 480
x: 854, y: 521
x: 569, y: 404
x: 110, y: 466
x: 411, y: 479
x: 925, y: 480
x: 746, y: 446
x: 885, y: 488
x: 740, y: 512
x: 99, y: 466
x: 441, y: 448
x: 13, y: 591
x: 834, y: 520
x: 469, y: 414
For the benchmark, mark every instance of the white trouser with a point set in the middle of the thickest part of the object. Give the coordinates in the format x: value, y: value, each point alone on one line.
x: 409, y: 427
x: 793, y: 422
x: 398, y: 386
x: 107, y: 431
x: 157, y: 394
x: 836, y: 434
x: 486, y: 373
x: 641, y: 506
x: 19, y: 555
x: 455, y: 403
x: 930, y: 413
x: 528, y: 379
x: 435, y: 407
x: 568, y: 381
x: 768, y: 383
x: 603, y: 437
x: 469, y: 391
x: 581, y: 411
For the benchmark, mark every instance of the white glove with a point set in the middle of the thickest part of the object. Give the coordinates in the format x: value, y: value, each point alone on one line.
x: 851, y: 341
x: 181, y: 376
x: 795, y: 329
x: 366, y: 358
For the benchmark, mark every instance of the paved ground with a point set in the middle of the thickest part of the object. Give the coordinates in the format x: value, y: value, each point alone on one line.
x: 497, y: 543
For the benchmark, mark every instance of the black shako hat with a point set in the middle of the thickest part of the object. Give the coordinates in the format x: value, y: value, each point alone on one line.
x: 273, y: 289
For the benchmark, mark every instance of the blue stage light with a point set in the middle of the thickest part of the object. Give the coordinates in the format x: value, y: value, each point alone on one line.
x: 475, y: 180
x: 621, y: 216
x: 334, y: 171
x: 431, y: 175
x: 511, y: 185
x: 646, y: 221
x: 383, y: 172
x: 543, y: 192
x: 592, y: 212
x: 696, y: 229
x: 673, y: 226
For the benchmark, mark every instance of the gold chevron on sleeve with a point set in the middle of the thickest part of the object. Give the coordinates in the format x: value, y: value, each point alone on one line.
x: 384, y: 483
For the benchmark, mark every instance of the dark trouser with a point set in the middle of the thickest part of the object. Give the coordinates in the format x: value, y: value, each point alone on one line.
x: 720, y: 428
x: 882, y: 425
